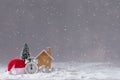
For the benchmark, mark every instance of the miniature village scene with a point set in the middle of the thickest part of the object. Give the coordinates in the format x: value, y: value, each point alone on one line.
x: 28, y: 64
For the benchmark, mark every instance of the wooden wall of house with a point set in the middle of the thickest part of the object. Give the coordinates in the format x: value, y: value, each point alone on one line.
x: 49, y: 50
x: 45, y: 60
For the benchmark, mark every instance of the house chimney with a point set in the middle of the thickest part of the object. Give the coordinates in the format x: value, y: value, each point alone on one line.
x: 48, y: 49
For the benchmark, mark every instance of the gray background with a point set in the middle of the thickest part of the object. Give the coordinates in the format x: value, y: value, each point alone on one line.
x: 76, y: 30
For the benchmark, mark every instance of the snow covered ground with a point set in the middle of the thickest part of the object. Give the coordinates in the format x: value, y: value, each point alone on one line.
x: 71, y: 71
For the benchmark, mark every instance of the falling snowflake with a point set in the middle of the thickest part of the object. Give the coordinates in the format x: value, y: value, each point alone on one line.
x: 65, y: 28
x: 94, y: 14
x: 117, y: 17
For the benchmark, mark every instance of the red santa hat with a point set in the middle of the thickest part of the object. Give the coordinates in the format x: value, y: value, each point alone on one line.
x: 16, y: 63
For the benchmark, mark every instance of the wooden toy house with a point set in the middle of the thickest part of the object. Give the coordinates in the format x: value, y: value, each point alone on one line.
x: 44, y: 58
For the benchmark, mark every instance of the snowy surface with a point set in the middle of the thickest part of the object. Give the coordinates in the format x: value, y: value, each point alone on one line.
x: 72, y: 71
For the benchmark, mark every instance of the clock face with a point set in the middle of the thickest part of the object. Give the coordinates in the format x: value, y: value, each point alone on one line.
x: 31, y: 68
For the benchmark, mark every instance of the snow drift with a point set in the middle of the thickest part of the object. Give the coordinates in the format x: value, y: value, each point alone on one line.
x: 71, y: 70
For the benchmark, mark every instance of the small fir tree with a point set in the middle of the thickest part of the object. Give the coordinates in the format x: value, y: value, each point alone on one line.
x: 25, y: 52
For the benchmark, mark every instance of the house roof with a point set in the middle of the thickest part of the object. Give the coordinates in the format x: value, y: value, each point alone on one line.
x: 46, y: 53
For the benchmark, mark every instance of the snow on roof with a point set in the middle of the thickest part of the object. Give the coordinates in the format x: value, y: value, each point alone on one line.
x: 46, y: 53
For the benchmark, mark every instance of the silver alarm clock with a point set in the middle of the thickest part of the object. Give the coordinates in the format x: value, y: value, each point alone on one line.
x: 31, y: 66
